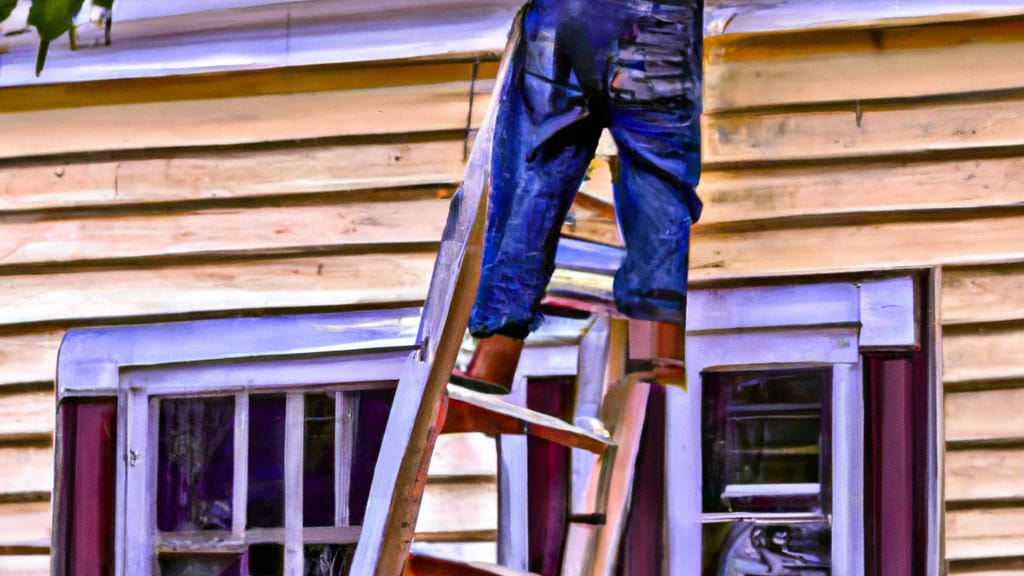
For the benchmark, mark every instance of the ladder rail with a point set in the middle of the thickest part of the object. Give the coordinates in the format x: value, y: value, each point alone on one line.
x: 417, y: 413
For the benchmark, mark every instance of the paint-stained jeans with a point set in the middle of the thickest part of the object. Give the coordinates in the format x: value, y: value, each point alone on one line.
x: 634, y: 67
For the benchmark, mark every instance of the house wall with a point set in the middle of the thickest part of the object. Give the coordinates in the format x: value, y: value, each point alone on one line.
x: 874, y: 146
x: 277, y: 191
x: 891, y: 146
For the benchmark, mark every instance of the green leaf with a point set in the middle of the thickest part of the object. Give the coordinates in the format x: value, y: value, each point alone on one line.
x: 51, y: 18
x: 107, y: 4
x: 6, y: 7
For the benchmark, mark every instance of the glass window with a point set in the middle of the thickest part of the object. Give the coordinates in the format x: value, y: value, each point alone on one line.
x: 206, y: 445
x: 765, y: 440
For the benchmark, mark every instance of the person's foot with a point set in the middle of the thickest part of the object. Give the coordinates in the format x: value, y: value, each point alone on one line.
x: 493, y: 366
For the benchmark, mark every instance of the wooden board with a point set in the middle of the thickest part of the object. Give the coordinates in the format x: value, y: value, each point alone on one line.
x: 25, y: 524
x: 844, y: 65
x: 27, y: 416
x: 863, y: 188
x: 982, y: 353
x: 237, y: 120
x: 988, y: 294
x: 458, y: 506
x: 268, y: 230
x: 985, y: 415
x: 464, y: 454
x: 29, y: 356
x: 780, y: 250
x: 984, y: 533
x: 419, y: 565
x: 24, y: 565
x: 195, y: 290
x: 984, y: 474
x: 26, y: 470
x: 477, y: 412
x: 881, y: 130
x: 221, y: 175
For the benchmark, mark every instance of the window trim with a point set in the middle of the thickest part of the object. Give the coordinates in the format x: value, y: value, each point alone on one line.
x: 131, y: 363
x: 779, y: 326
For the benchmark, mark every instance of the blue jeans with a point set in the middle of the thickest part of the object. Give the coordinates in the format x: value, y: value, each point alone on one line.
x: 631, y: 66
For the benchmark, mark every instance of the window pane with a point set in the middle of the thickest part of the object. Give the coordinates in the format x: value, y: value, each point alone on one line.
x: 200, y: 565
x: 764, y: 440
x: 374, y: 408
x: 196, y: 464
x: 742, y: 548
x: 318, y: 461
x: 328, y: 559
x: 265, y: 560
x: 266, y: 461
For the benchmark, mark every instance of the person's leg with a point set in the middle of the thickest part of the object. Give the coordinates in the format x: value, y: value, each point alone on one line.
x: 654, y: 99
x: 543, y: 142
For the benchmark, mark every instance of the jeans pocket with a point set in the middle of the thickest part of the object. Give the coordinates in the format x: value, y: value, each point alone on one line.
x: 658, y: 63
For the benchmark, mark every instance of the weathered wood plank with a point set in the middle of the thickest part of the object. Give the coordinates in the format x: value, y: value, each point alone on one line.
x: 265, y: 230
x: 767, y: 193
x: 984, y: 474
x: 267, y: 284
x: 779, y: 250
x: 464, y: 454
x: 199, y: 176
x: 470, y: 411
x: 985, y: 414
x: 458, y: 506
x: 57, y: 185
x: 26, y: 415
x: 987, y: 294
x: 782, y: 16
x: 24, y: 523
x: 986, y: 533
x: 897, y: 62
x: 419, y: 565
x: 867, y: 130
x: 24, y: 565
x: 237, y: 120
x: 29, y: 357
x: 26, y: 470
x: 982, y: 353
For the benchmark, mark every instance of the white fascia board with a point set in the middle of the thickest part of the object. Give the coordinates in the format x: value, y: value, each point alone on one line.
x: 750, y: 16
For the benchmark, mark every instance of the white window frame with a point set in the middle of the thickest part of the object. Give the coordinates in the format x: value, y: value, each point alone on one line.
x: 291, y: 354
x: 814, y: 324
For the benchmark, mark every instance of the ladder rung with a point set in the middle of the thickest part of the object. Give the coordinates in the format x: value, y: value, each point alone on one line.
x: 470, y: 411
x: 420, y: 565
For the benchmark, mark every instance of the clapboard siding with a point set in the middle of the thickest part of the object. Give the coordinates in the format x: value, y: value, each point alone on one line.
x: 28, y: 473
x: 27, y: 524
x: 240, y: 120
x: 844, y: 65
x: 264, y: 230
x: 967, y: 126
x: 228, y: 286
x: 24, y: 565
x: 260, y: 192
x: 978, y: 295
x: 985, y: 533
x: 979, y: 415
x: 26, y: 416
x: 983, y: 352
x: 888, y: 146
x: 28, y: 356
x: 823, y: 246
x: 358, y: 168
x: 863, y: 188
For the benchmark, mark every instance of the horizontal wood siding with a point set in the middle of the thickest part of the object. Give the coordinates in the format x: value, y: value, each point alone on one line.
x: 984, y: 377
x: 308, y: 189
x: 880, y: 147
